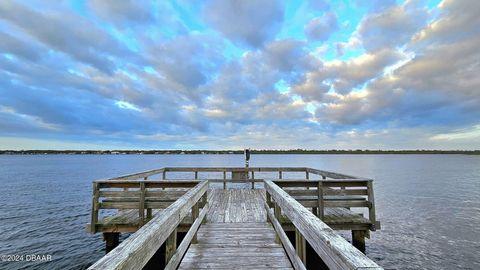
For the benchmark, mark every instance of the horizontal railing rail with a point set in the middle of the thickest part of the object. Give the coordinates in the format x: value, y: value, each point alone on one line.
x: 137, y: 250
x: 334, y: 250
x: 143, y: 195
x: 163, y: 171
x: 343, y: 193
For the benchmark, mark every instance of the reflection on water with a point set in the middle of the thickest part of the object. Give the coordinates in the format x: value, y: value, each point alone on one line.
x: 429, y: 205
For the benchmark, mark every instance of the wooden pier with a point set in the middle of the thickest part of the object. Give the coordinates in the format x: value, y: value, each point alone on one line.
x: 246, y: 218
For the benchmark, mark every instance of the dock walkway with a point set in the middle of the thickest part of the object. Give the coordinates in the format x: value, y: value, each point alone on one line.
x: 244, y: 226
x: 236, y: 235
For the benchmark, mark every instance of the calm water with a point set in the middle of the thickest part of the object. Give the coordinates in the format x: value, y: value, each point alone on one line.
x: 429, y: 205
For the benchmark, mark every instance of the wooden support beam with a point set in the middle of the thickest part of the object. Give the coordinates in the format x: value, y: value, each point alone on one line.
x: 171, y: 246
x: 111, y: 241
x: 358, y: 240
x: 196, y: 174
x: 141, y: 207
x: 371, y: 208
x: 278, y: 214
x: 95, y: 206
x: 224, y: 178
x: 301, y: 246
x: 194, y: 217
x: 204, y: 204
x: 320, y: 206
x: 253, y: 177
x: 279, y: 174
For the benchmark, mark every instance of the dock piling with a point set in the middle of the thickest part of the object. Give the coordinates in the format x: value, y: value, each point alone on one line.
x: 358, y: 240
x: 111, y: 241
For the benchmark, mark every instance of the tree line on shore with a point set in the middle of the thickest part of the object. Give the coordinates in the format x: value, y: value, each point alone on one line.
x: 223, y: 152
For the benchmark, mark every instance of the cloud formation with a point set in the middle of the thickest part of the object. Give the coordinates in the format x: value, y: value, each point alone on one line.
x: 234, y: 74
x: 250, y: 22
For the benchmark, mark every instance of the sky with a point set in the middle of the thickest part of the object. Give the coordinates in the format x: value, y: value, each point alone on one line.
x: 231, y: 74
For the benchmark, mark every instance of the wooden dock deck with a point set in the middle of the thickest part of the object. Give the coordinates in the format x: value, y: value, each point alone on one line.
x: 238, y: 222
x: 236, y: 234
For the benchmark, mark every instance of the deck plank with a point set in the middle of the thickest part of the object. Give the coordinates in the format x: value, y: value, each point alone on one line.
x: 236, y: 235
x: 239, y: 245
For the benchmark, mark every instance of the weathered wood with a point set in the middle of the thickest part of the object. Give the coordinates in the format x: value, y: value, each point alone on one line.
x: 171, y: 245
x: 329, y: 174
x: 148, y: 183
x: 141, y: 207
x: 111, y: 241
x: 224, y: 180
x: 300, y: 246
x: 320, y: 202
x: 95, y: 207
x: 194, y: 217
x: 287, y: 245
x: 358, y: 240
x: 371, y: 210
x: 335, y: 251
x: 238, y: 206
x: 190, y: 237
x: 236, y: 246
x: 138, y: 175
x: 136, y: 250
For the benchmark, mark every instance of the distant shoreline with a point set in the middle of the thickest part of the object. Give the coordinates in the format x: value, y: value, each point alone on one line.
x: 224, y: 152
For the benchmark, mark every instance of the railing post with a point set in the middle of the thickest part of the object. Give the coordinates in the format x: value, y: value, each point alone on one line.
x: 196, y: 175
x: 141, y: 207
x: 204, y: 202
x: 279, y: 174
x: 300, y: 246
x: 277, y: 211
x: 94, y: 218
x: 307, y: 175
x: 149, y: 210
x: 253, y: 178
x: 170, y: 246
x: 194, y: 217
x: 277, y: 214
x: 358, y: 240
x: 320, y: 210
x: 111, y: 241
x: 269, y: 199
x: 164, y: 174
x: 371, y: 206
x: 224, y: 179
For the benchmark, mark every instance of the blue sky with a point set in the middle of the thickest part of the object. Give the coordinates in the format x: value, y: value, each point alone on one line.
x: 223, y: 74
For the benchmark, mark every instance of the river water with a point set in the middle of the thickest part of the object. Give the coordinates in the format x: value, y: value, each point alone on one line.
x: 429, y: 205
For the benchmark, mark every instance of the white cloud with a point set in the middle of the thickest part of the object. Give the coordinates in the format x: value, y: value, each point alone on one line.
x: 320, y: 28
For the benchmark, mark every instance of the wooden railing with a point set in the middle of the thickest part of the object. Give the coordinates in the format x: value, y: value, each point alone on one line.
x: 334, y: 250
x: 136, y: 250
x: 344, y: 193
x: 231, y: 174
x: 136, y: 194
x: 163, y: 172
